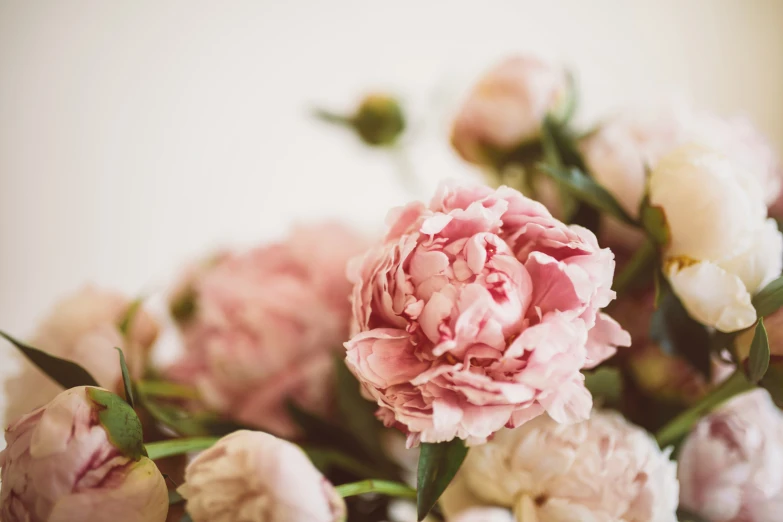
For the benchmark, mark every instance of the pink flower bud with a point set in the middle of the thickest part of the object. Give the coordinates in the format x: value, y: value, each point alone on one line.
x: 256, y: 477
x: 63, y: 463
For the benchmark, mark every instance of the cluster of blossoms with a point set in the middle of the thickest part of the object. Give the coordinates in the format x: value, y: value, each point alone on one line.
x: 473, y: 322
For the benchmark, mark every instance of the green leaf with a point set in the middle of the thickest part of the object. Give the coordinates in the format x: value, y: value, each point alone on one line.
x: 678, y: 333
x: 773, y: 382
x: 186, y: 518
x: 130, y: 315
x: 758, y: 362
x: 654, y: 223
x: 587, y: 190
x: 169, y: 448
x: 357, y: 413
x: 381, y: 487
x: 121, y: 423
x: 326, y: 460
x: 175, y: 498
x: 682, y: 424
x: 770, y: 298
x: 605, y: 383
x: 438, y: 463
x: 126, y: 380
x: 66, y: 373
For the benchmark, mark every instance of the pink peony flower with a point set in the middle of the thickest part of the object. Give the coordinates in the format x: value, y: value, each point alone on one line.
x: 61, y: 465
x: 729, y: 466
x: 266, y: 324
x: 479, y: 312
x: 256, y: 477
x: 506, y: 108
x: 603, y: 469
x: 84, y: 328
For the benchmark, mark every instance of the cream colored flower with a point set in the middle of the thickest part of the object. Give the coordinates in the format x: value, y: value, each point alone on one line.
x: 722, y: 248
x: 603, y: 469
x: 256, y: 477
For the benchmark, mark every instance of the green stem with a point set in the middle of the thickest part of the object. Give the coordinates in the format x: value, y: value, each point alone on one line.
x: 326, y: 458
x: 166, y: 389
x: 682, y: 424
x: 169, y: 448
x: 383, y: 487
x: 641, y: 261
x: 332, y: 117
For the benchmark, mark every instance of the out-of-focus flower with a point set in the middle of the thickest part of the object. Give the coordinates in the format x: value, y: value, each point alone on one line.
x: 64, y: 463
x: 600, y: 469
x: 484, y: 514
x: 624, y: 149
x: 507, y: 107
x: 256, y: 477
x: 729, y: 466
x: 83, y: 328
x: 664, y: 376
x: 478, y: 312
x: 265, y: 325
x: 722, y: 248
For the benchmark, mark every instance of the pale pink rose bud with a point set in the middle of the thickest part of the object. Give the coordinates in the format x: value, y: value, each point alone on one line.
x: 84, y: 328
x: 264, y: 326
x: 79, y: 458
x: 730, y: 465
x: 256, y: 477
x: 602, y: 469
x: 478, y: 312
x: 507, y: 107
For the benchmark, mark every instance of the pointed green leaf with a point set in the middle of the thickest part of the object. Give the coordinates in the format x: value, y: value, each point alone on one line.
x: 588, y: 191
x: 169, y: 448
x: 121, y: 423
x: 127, y: 320
x: 66, y: 373
x: 438, y: 463
x: 770, y: 298
x: 126, y: 380
x: 654, y: 223
x: 758, y: 362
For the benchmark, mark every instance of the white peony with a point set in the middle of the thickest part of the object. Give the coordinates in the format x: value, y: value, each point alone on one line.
x: 730, y: 465
x: 722, y: 247
x: 255, y: 477
x: 625, y: 148
x: 603, y: 469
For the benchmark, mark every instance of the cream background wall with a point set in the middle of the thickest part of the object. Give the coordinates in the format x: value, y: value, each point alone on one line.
x: 134, y: 135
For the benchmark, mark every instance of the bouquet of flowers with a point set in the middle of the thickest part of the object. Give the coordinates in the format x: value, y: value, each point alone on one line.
x: 591, y: 331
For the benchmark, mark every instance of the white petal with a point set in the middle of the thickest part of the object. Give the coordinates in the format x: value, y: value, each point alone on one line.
x: 762, y: 262
x: 713, y: 296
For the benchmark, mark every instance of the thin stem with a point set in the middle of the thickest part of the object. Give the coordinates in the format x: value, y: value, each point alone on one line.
x: 641, y: 261
x: 169, y: 448
x: 383, y: 487
x: 332, y: 117
x: 682, y: 424
x: 166, y: 389
x: 326, y: 458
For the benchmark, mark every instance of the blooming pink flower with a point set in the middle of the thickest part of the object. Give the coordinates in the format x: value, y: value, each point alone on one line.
x: 266, y: 325
x: 256, y: 477
x: 507, y: 106
x: 60, y: 465
x: 479, y: 312
x: 84, y: 328
x: 729, y: 466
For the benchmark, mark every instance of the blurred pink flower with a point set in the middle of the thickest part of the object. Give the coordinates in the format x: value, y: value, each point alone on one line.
x: 266, y: 324
x: 256, y: 477
x: 506, y: 107
x: 479, y: 312
x: 60, y: 466
x: 729, y: 466
x: 84, y: 328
